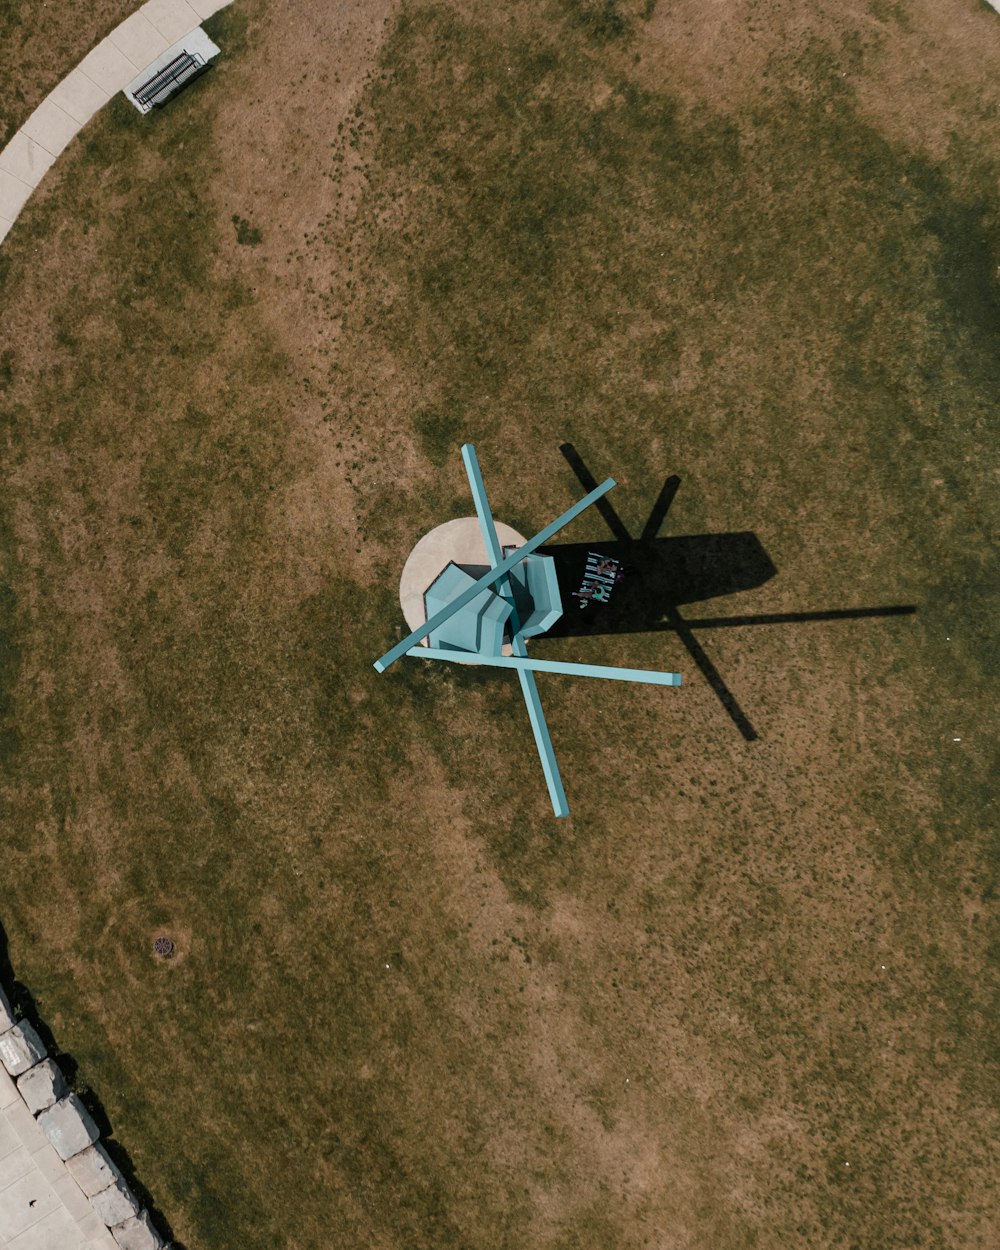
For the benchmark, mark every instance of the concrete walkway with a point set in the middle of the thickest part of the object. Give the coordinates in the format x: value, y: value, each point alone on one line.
x: 127, y: 51
x: 41, y: 1205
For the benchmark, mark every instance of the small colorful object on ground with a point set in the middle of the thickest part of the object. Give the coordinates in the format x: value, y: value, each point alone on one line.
x: 600, y: 577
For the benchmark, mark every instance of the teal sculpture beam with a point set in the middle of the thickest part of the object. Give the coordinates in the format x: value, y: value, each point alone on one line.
x: 530, y: 664
x: 526, y: 676
x: 494, y: 575
x: 494, y: 551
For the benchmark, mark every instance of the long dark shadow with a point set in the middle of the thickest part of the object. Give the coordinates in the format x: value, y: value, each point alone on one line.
x: 801, y: 618
x: 660, y: 509
x: 712, y: 675
x: 674, y: 620
x: 589, y: 483
x: 663, y: 573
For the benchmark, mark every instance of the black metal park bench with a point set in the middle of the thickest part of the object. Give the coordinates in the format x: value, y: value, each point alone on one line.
x: 181, y: 70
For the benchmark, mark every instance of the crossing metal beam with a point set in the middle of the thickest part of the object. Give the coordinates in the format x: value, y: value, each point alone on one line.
x: 494, y: 575
x: 529, y: 687
x: 531, y: 664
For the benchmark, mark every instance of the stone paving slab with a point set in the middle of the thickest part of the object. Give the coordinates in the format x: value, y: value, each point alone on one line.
x: 50, y: 126
x: 72, y: 1197
x: 172, y: 18
x: 9, y: 1140
x: 28, y: 161
x: 108, y: 66
x: 205, y: 8
x: 20, y: 1119
x: 139, y: 39
x: 55, y: 1229
x: 13, y: 195
x: 79, y: 96
x: 8, y: 1096
x: 48, y: 1162
x: 17, y: 1164
x: 25, y: 1201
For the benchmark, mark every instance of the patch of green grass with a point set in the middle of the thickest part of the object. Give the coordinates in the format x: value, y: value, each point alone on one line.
x: 440, y: 432
x: 246, y: 235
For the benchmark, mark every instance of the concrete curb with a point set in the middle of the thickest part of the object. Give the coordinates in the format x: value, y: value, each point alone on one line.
x: 71, y: 1131
x: 107, y: 69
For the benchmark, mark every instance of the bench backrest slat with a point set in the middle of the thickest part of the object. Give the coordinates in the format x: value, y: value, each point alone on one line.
x: 180, y: 68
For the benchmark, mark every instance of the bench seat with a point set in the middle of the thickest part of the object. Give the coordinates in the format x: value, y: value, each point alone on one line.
x: 169, y: 79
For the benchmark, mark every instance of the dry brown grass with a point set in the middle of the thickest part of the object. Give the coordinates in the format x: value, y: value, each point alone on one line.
x: 40, y: 42
x: 745, y: 995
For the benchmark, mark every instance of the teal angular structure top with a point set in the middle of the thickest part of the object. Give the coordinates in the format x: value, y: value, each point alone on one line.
x: 479, y: 626
x: 535, y: 584
x: 483, y: 624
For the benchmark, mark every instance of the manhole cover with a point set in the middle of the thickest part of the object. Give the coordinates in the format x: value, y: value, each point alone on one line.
x: 163, y: 947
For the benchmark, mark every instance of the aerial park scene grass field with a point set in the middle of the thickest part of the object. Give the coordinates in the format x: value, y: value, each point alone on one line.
x: 532, y: 863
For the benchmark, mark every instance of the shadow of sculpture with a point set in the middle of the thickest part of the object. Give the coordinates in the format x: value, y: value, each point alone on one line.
x: 660, y: 575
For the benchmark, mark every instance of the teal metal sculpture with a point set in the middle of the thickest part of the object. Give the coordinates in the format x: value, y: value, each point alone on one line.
x: 466, y: 618
x: 648, y: 677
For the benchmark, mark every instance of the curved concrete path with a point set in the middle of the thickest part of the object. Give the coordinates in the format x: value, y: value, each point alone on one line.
x: 103, y: 72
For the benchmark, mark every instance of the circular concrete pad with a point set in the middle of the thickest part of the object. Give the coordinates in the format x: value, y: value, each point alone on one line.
x: 460, y: 541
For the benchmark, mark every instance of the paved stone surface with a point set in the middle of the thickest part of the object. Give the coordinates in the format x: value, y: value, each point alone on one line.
x: 50, y: 126
x: 25, y: 159
x: 93, y: 1169
x: 205, y: 8
x: 108, y: 66
x: 41, y: 1087
x: 77, y: 95
x: 13, y: 195
x: 68, y: 1126
x: 41, y: 1206
x: 20, y: 1048
x: 172, y: 18
x: 139, y: 39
